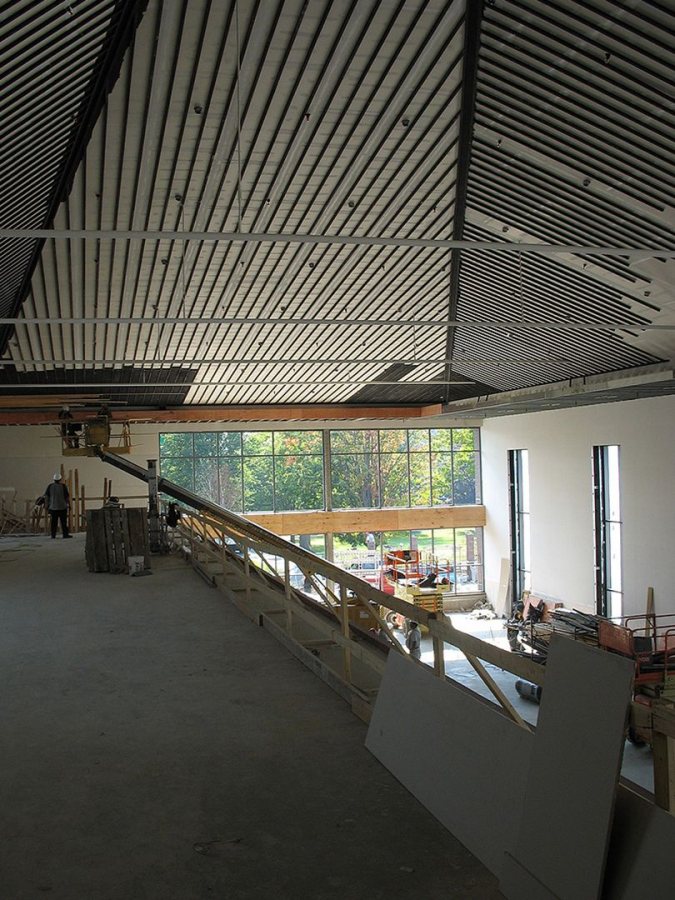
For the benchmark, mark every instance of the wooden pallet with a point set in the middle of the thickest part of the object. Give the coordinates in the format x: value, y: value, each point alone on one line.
x: 113, y: 535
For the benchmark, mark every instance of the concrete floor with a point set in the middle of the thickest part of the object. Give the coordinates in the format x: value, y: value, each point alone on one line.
x: 156, y: 744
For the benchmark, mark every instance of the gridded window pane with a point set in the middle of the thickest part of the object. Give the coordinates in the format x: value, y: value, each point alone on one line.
x: 396, y: 540
x: 469, y: 559
x: 418, y: 439
x: 441, y: 468
x: 258, y: 484
x: 614, y: 553
x: 176, y: 444
x: 464, y: 483
x: 206, y: 478
x: 422, y: 541
x: 525, y: 531
x: 229, y: 443
x: 464, y: 438
x: 317, y: 544
x: 420, y: 480
x: 258, y: 442
x: 441, y: 439
x: 229, y: 471
x: 394, y: 440
x: 353, y: 441
x: 297, y: 442
x: 354, y: 481
x: 613, y: 493
x: 444, y: 545
x: 299, y: 482
x: 206, y: 443
x: 179, y: 470
x: 394, y: 479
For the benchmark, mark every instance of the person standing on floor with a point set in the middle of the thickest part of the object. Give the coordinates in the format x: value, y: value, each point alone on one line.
x: 58, y: 501
x: 413, y: 641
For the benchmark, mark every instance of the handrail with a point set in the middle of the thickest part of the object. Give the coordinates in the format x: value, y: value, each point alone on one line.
x: 249, y: 535
x: 216, y: 526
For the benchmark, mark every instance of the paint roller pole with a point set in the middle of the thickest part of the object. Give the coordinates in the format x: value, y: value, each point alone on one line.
x: 153, y: 508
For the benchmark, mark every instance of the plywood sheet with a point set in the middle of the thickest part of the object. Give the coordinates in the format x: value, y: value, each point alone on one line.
x: 641, y: 860
x: 574, y: 771
x: 460, y: 757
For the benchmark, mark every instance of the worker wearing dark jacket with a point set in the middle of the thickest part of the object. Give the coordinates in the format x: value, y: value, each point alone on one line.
x: 58, y: 501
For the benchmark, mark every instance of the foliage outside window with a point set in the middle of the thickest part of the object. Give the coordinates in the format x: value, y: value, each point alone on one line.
x: 404, y: 467
x: 250, y: 471
x: 260, y: 471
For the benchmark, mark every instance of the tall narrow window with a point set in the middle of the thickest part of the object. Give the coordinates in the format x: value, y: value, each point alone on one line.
x: 607, y: 521
x: 519, y: 497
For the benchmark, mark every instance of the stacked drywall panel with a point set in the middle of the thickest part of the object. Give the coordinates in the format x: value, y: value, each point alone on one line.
x: 537, y: 809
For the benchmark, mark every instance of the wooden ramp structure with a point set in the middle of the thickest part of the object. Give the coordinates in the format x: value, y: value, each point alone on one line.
x: 258, y: 571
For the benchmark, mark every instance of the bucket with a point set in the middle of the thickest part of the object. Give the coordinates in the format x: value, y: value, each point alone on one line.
x: 136, y: 564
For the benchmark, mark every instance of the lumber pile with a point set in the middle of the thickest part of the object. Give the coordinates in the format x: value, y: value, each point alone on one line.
x: 571, y: 623
x: 114, y: 535
x: 11, y: 523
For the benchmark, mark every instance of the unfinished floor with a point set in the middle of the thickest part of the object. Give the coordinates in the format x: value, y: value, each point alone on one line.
x: 157, y: 744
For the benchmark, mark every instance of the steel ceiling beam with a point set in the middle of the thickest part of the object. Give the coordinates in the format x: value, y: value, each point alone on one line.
x: 472, y: 26
x: 223, y: 382
x: 479, y: 325
x: 318, y: 361
x: 345, y: 240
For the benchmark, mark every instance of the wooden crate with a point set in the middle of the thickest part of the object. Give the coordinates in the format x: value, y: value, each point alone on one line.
x: 113, y: 535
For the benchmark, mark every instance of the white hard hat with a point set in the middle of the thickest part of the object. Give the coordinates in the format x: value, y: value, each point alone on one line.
x: 57, y: 476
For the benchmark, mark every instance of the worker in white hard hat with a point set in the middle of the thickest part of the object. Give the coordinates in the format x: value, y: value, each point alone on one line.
x: 58, y: 500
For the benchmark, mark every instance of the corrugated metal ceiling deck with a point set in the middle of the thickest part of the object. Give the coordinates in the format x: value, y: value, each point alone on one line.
x: 548, y: 122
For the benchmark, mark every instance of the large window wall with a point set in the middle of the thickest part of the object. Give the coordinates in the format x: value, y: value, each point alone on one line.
x: 404, y: 467
x: 249, y: 471
x: 309, y: 471
x: 265, y: 471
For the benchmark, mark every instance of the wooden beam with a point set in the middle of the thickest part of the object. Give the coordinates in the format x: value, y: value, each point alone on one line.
x: 470, y: 645
x: 663, y: 747
x: 310, y: 413
x: 663, y: 720
x: 372, y: 519
x: 499, y: 694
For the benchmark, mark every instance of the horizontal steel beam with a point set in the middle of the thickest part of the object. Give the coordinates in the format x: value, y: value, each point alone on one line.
x: 223, y: 382
x: 332, y: 239
x: 474, y: 324
x: 318, y: 361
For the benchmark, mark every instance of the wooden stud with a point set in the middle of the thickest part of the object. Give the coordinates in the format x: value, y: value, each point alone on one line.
x: 664, y: 771
x: 344, y: 622
x: 75, y: 496
x: 497, y: 691
x: 439, y: 657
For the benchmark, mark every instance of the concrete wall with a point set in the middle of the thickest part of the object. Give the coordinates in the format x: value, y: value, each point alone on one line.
x: 560, y: 446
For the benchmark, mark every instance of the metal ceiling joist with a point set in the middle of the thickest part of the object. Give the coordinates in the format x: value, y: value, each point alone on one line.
x: 285, y: 183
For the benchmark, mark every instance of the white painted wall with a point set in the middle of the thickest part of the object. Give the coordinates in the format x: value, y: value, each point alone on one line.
x: 560, y: 446
x: 31, y: 454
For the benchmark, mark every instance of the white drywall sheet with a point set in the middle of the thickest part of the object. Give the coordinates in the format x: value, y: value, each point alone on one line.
x: 573, y: 775
x: 468, y: 765
x: 460, y: 757
x: 641, y: 859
